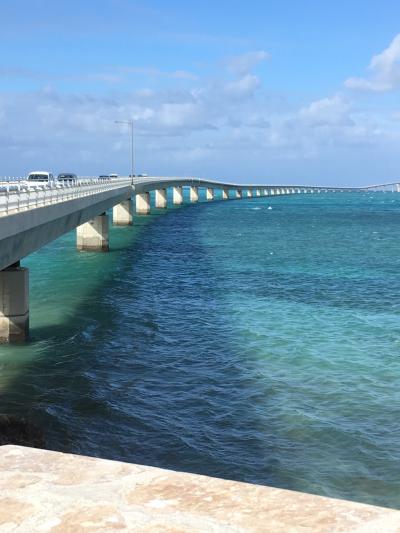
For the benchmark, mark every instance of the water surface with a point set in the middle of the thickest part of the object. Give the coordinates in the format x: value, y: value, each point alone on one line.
x: 255, y: 340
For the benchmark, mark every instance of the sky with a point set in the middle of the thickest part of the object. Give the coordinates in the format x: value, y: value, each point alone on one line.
x: 299, y: 91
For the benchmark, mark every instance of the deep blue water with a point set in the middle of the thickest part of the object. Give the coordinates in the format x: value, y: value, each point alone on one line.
x: 228, y: 339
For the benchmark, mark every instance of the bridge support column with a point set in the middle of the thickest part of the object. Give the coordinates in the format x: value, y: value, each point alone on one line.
x: 93, y: 235
x: 209, y: 193
x: 238, y: 193
x: 14, y: 304
x: 194, y: 194
x: 249, y: 193
x: 272, y: 192
x: 123, y: 213
x: 258, y: 192
x: 143, y: 203
x: 225, y: 194
x: 161, y: 198
x: 177, y: 195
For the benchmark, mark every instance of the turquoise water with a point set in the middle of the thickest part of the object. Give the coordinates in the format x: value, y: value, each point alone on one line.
x: 256, y: 340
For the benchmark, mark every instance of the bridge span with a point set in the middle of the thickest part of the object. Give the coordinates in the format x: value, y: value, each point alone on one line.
x: 33, y: 216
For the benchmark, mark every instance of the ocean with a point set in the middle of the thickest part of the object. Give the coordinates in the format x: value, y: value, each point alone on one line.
x: 255, y: 340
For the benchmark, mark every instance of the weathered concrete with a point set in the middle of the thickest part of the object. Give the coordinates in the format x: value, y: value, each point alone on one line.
x: 14, y: 304
x: 225, y: 194
x: 161, y: 198
x: 93, y: 235
x: 177, y: 195
x: 143, y: 203
x: 238, y: 193
x: 194, y: 194
x: 52, y: 492
x: 123, y: 213
x: 209, y: 193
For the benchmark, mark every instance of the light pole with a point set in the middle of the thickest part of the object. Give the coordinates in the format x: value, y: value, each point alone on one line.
x: 128, y: 123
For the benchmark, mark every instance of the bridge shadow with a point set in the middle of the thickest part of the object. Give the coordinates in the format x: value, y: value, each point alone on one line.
x: 156, y: 364
x: 145, y: 369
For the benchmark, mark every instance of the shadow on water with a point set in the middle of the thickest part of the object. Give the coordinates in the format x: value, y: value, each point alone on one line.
x: 142, y: 370
x: 154, y: 361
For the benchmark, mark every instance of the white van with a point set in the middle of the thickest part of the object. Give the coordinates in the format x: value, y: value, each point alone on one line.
x: 40, y: 176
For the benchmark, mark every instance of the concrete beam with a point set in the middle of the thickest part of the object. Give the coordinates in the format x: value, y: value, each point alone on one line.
x: 14, y: 304
x: 209, y: 193
x: 161, y: 198
x: 143, y: 203
x: 194, y: 193
x: 177, y: 195
x: 123, y: 213
x: 93, y: 235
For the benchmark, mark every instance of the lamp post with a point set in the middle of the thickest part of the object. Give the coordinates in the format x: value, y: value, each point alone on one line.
x: 128, y: 123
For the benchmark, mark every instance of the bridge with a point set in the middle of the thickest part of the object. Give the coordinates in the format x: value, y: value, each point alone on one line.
x: 31, y: 216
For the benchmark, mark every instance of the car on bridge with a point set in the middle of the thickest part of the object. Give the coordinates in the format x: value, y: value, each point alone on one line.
x: 40, y: 176
x: 67, y: 177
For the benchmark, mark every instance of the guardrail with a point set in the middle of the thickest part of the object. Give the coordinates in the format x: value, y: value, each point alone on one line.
x: 23, y: 196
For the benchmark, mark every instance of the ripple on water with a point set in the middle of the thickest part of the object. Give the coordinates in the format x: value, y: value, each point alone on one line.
x: 254, y: 340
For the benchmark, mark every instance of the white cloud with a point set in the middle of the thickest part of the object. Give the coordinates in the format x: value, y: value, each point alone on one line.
x: 384, y: 69
x: 244, y: 63
x: 209, y: 128
x: 326, y: 111
x: 243, y: 87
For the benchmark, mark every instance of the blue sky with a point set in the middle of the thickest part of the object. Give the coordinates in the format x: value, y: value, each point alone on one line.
x: 300, y: 91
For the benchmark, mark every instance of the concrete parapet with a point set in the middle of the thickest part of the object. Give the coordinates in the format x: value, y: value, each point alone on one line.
x: 177, y: 195
x: 93, y: 235
x: 194, y: 194
x: 59, y: 492
x: 143, y: 203
x: 123, y: 213
x: 161, y: 198
x: 14, y: 304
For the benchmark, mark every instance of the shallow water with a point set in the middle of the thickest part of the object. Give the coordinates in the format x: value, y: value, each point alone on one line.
x: 227, y: 339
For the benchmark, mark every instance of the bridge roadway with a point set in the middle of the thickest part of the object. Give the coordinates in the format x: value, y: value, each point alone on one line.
x: 31, y: 216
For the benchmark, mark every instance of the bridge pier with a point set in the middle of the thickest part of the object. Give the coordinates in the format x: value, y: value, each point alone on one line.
x: 177, y: 195
x: 93, y: 235
x: 161, y: 198
x: 249, y: 193
x: 225, y: 194
x: 194, y: 194
x: 143, y: 203
x: 123, y: 213
x: 209, y: 193
x: 238, y: 193
x: 14, y: 303
x: 258, y: 192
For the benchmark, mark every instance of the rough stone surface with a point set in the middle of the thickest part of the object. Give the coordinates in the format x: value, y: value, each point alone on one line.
x: 61, y: 493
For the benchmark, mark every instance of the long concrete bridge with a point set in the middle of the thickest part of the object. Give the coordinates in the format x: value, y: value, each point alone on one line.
x: 33, y: 216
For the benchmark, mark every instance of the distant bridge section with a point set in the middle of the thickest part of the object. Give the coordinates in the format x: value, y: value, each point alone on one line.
x: 32, y: 215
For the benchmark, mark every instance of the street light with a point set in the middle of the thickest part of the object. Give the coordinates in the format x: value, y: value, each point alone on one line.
x: 128, y: 123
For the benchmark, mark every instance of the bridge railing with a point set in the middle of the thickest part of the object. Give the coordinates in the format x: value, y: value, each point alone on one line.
x: 23, y: 196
